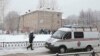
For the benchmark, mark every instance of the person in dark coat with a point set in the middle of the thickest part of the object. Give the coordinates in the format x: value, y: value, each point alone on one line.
x: 31, y: 38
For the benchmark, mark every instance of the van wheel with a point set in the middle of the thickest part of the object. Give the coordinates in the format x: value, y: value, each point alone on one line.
x: 62, y: 49
x: 89, y: 48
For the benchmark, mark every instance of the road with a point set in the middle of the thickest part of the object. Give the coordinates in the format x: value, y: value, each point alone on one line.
x: 36, y: 52
x: 24, y: 52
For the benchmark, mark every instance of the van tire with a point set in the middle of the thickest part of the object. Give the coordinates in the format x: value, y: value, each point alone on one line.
x: 62, y: 49
x: 89, y: 48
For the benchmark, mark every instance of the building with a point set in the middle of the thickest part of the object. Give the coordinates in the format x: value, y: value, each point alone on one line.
x: 39, y: 19
x: 45, y: 17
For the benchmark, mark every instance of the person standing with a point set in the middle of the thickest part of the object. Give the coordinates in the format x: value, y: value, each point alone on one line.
x: 31, y: 38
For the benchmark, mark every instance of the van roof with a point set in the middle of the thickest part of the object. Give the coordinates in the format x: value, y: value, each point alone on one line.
x: 64, y: 29
x: 79, y: 29
x: 77, y: 26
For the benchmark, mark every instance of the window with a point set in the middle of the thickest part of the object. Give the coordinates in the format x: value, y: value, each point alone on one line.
x: 67, y: 35
x: 78, y: 35
x: 58, y: 34
x: 58, y: 15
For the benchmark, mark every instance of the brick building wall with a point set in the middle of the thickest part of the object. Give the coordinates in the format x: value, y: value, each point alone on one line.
x: 39, y: 19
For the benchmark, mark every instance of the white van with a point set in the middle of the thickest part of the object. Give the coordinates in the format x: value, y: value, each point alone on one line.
x: 73, y: 38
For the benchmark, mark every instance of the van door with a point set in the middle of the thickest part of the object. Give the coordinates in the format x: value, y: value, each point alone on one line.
x: 67, y: 36
x: 78, y: 37
x: 67, y: 40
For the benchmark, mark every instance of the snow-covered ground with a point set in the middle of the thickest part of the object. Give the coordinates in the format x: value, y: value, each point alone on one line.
x: 36, y: 51
x: 16, y: 38
x: 20, y: 38
x: 22, y: 50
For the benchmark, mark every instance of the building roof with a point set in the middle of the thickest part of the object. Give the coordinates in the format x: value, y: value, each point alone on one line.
x: 41, y: 11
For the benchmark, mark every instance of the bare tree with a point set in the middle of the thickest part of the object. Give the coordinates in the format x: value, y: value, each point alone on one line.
x: 3, y: 5
x: 90, y: 18
x: 11, y: 21
x: 87, y: 18
x: 72, y: 20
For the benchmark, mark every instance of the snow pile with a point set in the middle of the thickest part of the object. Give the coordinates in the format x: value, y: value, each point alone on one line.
x: 12, y: 38
x: 17, y: 38
x: 41, y: 37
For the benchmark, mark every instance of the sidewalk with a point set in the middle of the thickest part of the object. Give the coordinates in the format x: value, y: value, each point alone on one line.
x: 22, y: 51
x: 35, y: 52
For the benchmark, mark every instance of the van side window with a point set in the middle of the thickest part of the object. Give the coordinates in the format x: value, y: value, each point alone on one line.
x: 67, y: 35
x: 78, y: 35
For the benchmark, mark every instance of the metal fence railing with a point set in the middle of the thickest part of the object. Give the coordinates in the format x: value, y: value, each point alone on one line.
x: 91, y: 53
x: 36, y: 44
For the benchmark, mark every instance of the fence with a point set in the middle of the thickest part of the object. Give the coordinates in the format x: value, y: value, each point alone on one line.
x: 91, y: 53
x: 36, y: 44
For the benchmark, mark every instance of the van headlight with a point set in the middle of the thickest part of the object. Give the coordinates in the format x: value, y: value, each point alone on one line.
x: 52, y: 45
x: 49, y: 44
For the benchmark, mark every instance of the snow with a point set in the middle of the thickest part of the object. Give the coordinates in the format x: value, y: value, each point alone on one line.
x: 17, y: 38
x: 22, y: 50
x: 35, y: 51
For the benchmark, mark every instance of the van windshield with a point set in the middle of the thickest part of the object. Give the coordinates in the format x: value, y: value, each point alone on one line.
x: 58, y: 34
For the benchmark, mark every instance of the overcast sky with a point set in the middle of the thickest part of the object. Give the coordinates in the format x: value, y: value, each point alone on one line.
x: 68, y: 7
